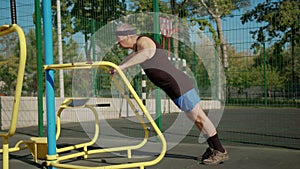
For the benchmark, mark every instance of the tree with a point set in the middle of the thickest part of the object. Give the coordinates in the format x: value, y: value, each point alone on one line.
x: 70, y: 51
x: 218, y: 9
x: 8, y: 74
x: 281, y: 22
x: 86, y: 17
x: 29, y: 84
x: 268, y: 76
x: 9, y: 60
x: 239, y: 73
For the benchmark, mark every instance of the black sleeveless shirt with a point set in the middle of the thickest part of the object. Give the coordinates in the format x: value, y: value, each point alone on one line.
x: 160, y: 70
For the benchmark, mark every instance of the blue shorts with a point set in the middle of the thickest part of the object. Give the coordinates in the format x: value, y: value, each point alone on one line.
x: 187, y: 101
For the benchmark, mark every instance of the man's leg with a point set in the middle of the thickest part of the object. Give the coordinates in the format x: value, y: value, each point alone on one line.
x: 201, y: 120
x: 205, y: 125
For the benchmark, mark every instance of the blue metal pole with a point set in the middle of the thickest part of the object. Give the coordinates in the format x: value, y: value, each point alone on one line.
x: 50, y: 96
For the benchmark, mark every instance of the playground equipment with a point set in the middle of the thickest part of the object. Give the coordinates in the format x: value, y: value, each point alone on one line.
x: 69, y: 103
x: 44, y: 148
x: 38, y: 145
x: 5, y: 30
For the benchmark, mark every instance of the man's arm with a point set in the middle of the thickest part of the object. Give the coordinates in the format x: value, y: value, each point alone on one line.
x: 146, y: 49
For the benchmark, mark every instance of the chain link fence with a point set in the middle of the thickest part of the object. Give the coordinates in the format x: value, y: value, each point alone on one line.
x: 255, y: 76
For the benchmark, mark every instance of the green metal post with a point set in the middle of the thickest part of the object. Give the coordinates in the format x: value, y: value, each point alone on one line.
x: 157, y: 38
x: 0, y: 113
x: 217, y: 64
x: 137, y: 82
x: 265, y: 76
x: 38, y: 32
x: 195, y: 62
x: 94, y: 58
x: 194, y: 57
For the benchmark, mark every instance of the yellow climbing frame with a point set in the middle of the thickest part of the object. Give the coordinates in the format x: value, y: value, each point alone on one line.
x: 38, y: 145
x: 5, y: 30
x: 106, y: 65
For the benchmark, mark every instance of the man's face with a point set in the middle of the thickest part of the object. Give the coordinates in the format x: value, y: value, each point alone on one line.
x: 123, y: 41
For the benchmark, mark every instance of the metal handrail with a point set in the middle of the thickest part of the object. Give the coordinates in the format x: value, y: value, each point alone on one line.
x: 5, y: 30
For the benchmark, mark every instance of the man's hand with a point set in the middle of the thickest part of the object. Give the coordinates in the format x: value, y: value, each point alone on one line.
x: 112, y: 71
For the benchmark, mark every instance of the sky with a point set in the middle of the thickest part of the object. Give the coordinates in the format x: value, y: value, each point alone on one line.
x: 25, y: 9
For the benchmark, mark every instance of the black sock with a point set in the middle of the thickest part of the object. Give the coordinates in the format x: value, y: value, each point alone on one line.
x: 215, y: 142
x: 210, y: 143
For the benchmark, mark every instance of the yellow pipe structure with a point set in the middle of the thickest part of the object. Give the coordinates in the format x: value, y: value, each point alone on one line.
x: 82, y: 145
x: 5, y: 30
x: 141, y: 165
x: 96, y: 134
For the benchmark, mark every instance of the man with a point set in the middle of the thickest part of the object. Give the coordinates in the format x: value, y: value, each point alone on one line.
x: 177, y: 85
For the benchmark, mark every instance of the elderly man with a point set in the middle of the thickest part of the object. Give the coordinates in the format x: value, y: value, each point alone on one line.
x: 177, y: 85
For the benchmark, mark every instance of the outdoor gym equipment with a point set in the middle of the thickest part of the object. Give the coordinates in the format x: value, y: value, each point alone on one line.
x: 45, y: 148
x: 5, y: 30
x: 38, y: 145
x: 59, y: 158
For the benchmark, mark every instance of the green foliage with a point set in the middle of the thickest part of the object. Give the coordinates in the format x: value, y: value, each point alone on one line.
x: 203, y: 24
x: 239, y: 73
x: 243, y: 77
x: 8, y: 74
x: 281, y: 28
x: 30, y: 81
x: 278, y: 60
x: 9, y: 60
x: 266, y: 75
x: 280, y: 21
x: 86, y: 17
x: 222, y: 8
x: 80, y: 15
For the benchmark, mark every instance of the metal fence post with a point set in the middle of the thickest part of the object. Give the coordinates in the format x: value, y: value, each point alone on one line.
x: 38, y: 32
x: 265, y: 76
x: 156, y: 37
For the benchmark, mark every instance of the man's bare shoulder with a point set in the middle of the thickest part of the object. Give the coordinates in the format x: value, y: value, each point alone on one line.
x: 145, y: 42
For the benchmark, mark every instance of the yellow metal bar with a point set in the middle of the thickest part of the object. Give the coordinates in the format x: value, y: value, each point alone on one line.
x: 85, y: 145
x: 139, y: 117
x: 130, y: 104
x: 82, y: 145
x: 58, y: 125
x: 96, y: 151
x: 129, y: 153
x: 128, y: 148
x: 96, y: 65
x: 18, y: 146
x: 5, y: 30
x: 77, y: 65
x: 85, y: 150
x: 5, y: 147
x: 21, y: 70
x: 85, y: 65
x: 148, y: 116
